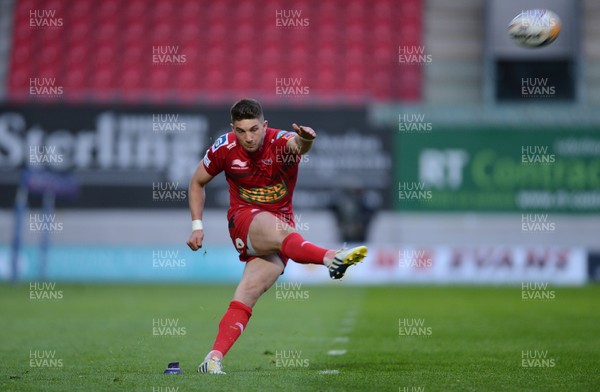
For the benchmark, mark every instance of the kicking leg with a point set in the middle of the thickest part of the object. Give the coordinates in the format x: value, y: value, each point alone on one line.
x: 268, y: 234
x: 259, y: 275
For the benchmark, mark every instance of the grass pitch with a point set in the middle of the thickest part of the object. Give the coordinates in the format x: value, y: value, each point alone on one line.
x: 121, y: 337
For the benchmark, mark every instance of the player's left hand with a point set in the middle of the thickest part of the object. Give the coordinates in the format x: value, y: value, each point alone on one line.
x: 304, y: 132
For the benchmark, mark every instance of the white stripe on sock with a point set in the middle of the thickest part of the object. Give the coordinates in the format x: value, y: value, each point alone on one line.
x: 241, y: 326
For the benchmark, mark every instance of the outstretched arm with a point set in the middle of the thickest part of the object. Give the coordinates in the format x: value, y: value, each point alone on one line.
x: 303, y: 140
x: 196, y: 197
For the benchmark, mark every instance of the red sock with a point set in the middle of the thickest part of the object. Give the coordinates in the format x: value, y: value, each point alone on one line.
x: 232, y: 325
x: 301, y: 251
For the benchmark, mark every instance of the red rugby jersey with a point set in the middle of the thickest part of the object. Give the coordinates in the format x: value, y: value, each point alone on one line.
x: 265, y: 178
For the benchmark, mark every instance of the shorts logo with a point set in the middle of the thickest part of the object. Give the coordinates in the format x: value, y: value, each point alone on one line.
x: 239, y: 244
x: 239, y: 164
x: 221, y: 141
x: 269, y: 194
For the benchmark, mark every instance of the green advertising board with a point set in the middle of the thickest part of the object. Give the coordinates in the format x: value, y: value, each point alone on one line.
x: 497, y: 170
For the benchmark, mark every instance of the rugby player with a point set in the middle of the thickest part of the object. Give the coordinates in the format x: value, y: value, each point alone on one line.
x: 261, y: 168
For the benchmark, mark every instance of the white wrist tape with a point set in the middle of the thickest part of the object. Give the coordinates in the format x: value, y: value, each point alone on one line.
x: 197, y: 225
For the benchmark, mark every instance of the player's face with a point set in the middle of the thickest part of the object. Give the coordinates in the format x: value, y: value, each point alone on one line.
x: 250, y: 133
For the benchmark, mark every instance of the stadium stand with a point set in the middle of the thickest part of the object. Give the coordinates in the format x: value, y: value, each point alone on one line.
x: 591, y: 50
x: 105, y: 55
x: 455, y: 73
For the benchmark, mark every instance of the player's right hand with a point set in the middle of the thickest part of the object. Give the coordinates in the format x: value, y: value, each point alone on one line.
x: 195, y: 241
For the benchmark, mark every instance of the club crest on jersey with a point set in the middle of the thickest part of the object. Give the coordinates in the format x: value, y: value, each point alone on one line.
x: 239, y: 164
x: 221, y: 141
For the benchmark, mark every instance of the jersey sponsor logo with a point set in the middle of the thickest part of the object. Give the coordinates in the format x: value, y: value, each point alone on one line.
x: 238, y: 164
x: 265, y: 195
x: 206, y: 160
x: 221, y: 141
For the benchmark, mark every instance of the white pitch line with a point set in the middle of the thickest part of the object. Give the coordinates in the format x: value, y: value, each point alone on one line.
x: 333, y: 371
x: 341, y: 339
x: 348, y: 321
x: 336, y: 352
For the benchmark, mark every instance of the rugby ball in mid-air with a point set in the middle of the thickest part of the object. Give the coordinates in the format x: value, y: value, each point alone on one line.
x: 534, y: 28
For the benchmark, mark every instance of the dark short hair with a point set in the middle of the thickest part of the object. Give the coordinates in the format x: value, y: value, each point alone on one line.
x: 246, y: 109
